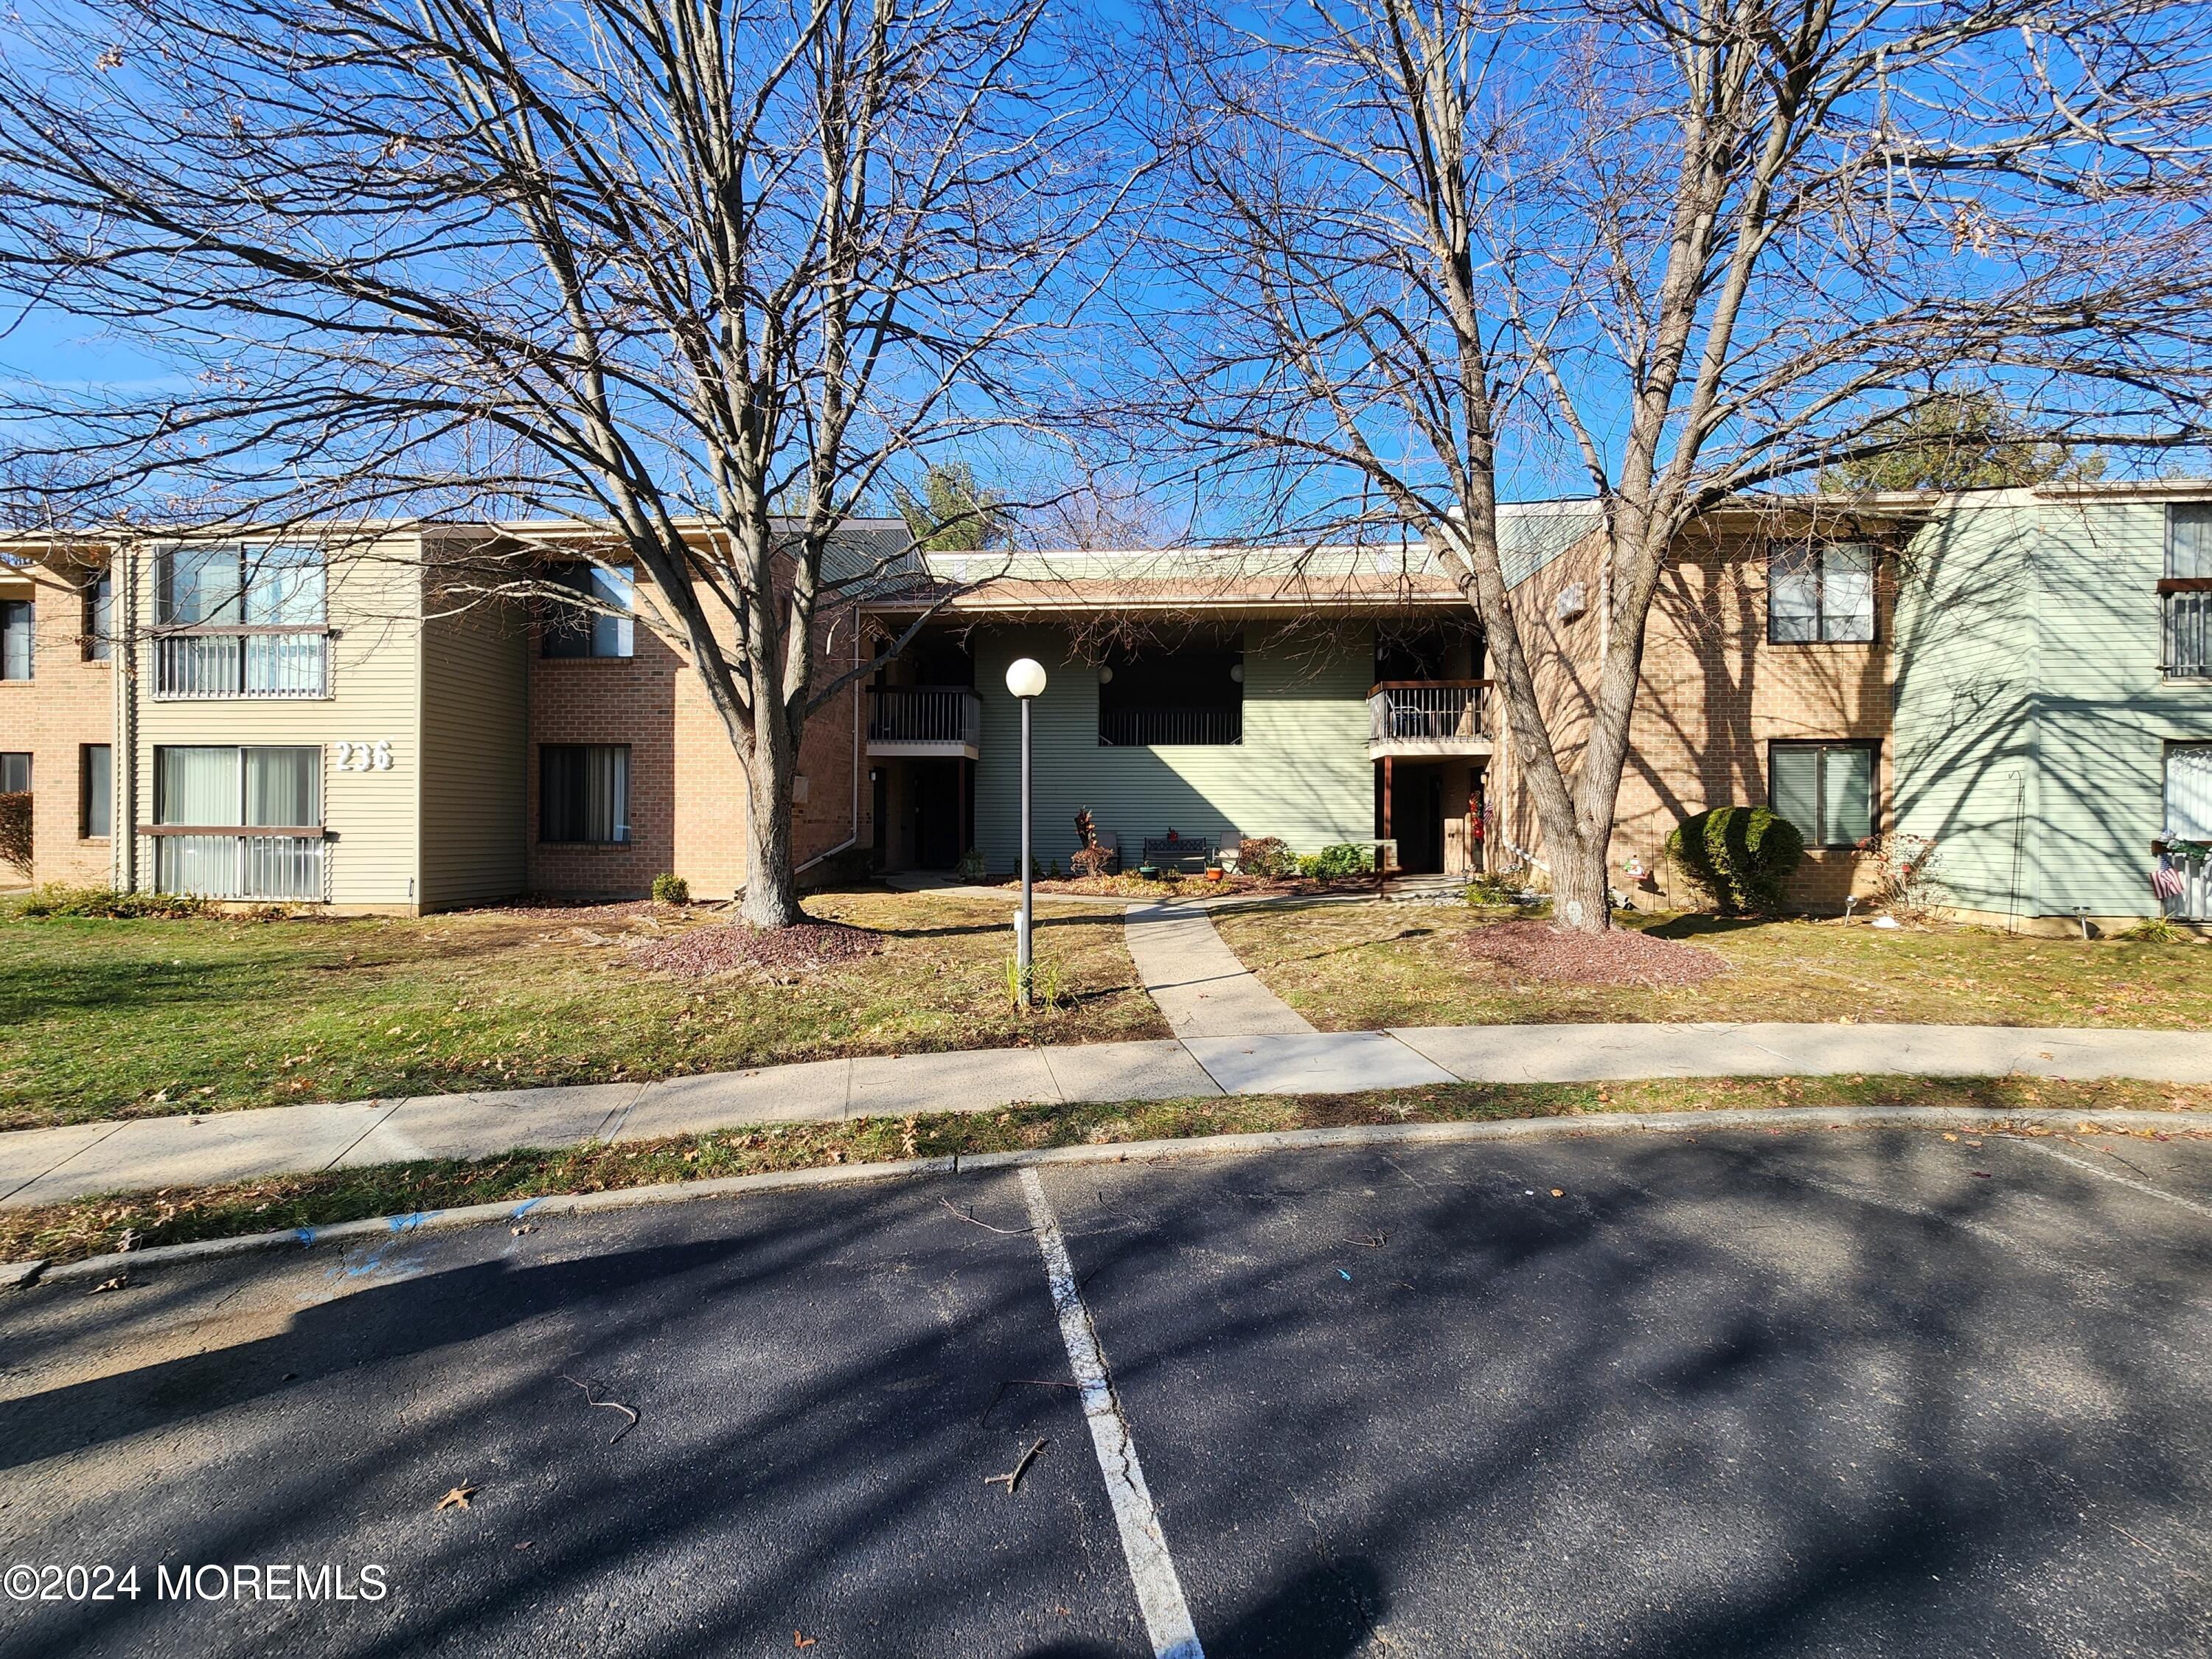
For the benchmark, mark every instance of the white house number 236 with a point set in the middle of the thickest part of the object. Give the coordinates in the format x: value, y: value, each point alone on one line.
x: 363, y: 756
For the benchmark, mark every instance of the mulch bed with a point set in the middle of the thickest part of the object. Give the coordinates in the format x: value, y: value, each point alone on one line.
x: 1620, y: 956
x: 783, y: 954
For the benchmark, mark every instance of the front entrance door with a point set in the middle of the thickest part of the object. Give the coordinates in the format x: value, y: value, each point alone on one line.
x: 1416, y: 818
x: 934, y: 790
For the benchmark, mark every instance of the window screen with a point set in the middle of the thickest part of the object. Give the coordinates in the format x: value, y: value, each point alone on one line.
x: 99, y: 619
x: 14, y: 773
x: 1828, y: 790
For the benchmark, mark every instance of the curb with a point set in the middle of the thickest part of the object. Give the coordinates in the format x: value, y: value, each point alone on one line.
x: 1136, y: 1152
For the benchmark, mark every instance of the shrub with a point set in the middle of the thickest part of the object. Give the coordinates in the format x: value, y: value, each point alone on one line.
x: 669, y: 888
x: 108, y: 904
x: 1906, y: 881
x: 1265, y: 855
x: 971, y: 866
x: 1742, y: 856
x: 1345, y: 860
x: 1090, y: 860
x: 15, y: 830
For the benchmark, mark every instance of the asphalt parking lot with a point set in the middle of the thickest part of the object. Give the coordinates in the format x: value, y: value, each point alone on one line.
x: 1796, y: 1392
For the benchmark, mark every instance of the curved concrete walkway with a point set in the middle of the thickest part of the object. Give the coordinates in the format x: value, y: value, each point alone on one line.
x: 45, y: 1166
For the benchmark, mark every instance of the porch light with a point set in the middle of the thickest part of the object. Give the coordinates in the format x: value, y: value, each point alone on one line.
x: 1236, y: 673
x: 1025, y: 679
x: 1105, y: 673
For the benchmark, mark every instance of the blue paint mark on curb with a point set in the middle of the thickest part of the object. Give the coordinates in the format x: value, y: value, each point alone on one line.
x: 305, y: 1235
x: 408, y: 1223
x: 527, y: 1205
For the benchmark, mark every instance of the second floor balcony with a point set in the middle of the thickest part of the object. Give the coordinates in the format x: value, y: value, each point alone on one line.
x: 925, y: 719
x: 1428, y: 718
x: 204, y: 662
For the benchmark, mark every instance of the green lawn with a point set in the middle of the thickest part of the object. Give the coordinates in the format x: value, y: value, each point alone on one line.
x: 1356, y: 967
x: 136, y: 1019
x: 92, y: 1226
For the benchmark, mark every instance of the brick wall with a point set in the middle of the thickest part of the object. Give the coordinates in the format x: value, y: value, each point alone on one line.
x: 686, y: 789
x: 1714, y: 695
x: 69, y: 702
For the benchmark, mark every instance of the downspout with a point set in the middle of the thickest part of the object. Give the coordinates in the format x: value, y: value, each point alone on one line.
x: 122, y: 800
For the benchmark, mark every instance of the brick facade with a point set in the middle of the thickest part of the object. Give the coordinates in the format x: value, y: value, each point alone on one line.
x: 687, y: 792
x: 1714, y: 695
x: 68, y: 703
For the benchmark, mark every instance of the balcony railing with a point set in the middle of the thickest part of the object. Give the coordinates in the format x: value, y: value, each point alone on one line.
x: 925, y: 719
x: 242, y: 662
x: 1443, y: 716
x: 217, y: 863
x: 1167, y: 728
x: 2188, y: 603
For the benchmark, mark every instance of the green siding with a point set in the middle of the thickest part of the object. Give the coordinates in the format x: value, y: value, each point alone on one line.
x: 1962, y: 743
x: 1302, y: 772
x: 2106, y: 713
x: 2028, y: 645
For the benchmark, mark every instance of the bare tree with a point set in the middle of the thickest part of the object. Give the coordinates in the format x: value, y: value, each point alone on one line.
x: 694, y: 279
x: 1707, y: 248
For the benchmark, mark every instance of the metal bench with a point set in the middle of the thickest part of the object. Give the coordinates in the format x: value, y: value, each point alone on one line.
x: 1161, y: 850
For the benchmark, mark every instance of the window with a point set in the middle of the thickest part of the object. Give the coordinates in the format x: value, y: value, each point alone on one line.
x: 1826, y: 789
x: 583, y: 791
x: 1821, y: 594
x: 2185, y: 595
x: 250, y: 788
x: 100, y: 618
x: 15, y: 773
x: 95, y: 770
x: 241, y: 622
x: 16, y: 622
x: 1170, y: 698
x: 2188, y: 790
x: 239, y: 823
x: 574, y: 631
x: 274, y: 587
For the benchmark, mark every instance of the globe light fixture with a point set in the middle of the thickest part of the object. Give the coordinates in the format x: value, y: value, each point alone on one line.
x: 1025, y: 679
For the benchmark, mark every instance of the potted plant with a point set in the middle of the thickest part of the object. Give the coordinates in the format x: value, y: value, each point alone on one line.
x: 1213, y: 869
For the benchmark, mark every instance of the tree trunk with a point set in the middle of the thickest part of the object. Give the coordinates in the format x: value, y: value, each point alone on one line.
x: 771, y: 881
x: 1581, y: 898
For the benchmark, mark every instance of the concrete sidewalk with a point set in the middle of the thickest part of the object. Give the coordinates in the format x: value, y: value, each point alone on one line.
x: 45, y: 1166
x: 1201, y: 987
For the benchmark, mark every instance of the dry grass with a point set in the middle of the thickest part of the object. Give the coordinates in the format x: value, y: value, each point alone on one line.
x: 1359, y: 966
x: 136, y: 1019
x: 66, y: 1232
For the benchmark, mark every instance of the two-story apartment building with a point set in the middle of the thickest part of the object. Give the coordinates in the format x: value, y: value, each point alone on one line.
x: 2021, y: 675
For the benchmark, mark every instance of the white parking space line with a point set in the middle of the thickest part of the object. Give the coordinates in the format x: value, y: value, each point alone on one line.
x: 2098, y: 1169
x: 1159, y: 1591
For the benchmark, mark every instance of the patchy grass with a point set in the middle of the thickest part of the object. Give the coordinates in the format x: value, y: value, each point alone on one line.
x: 93, y: 1226
x: 103, y: 1019
x: 1359, y: 966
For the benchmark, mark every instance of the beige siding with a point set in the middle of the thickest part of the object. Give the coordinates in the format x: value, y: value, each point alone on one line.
x: 374, y: 689
x: 475, y: 714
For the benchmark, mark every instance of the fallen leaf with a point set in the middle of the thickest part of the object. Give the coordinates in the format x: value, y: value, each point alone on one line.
x: 121, y: 1281
x: 457, y: 1498
x: 1947, y: 1135
x: 798, y: 1640
x: 1556, y: 1193
x: 1979, y: 1175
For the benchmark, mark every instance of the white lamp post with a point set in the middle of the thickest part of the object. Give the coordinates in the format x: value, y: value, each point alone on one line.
x: 1025, y: 679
